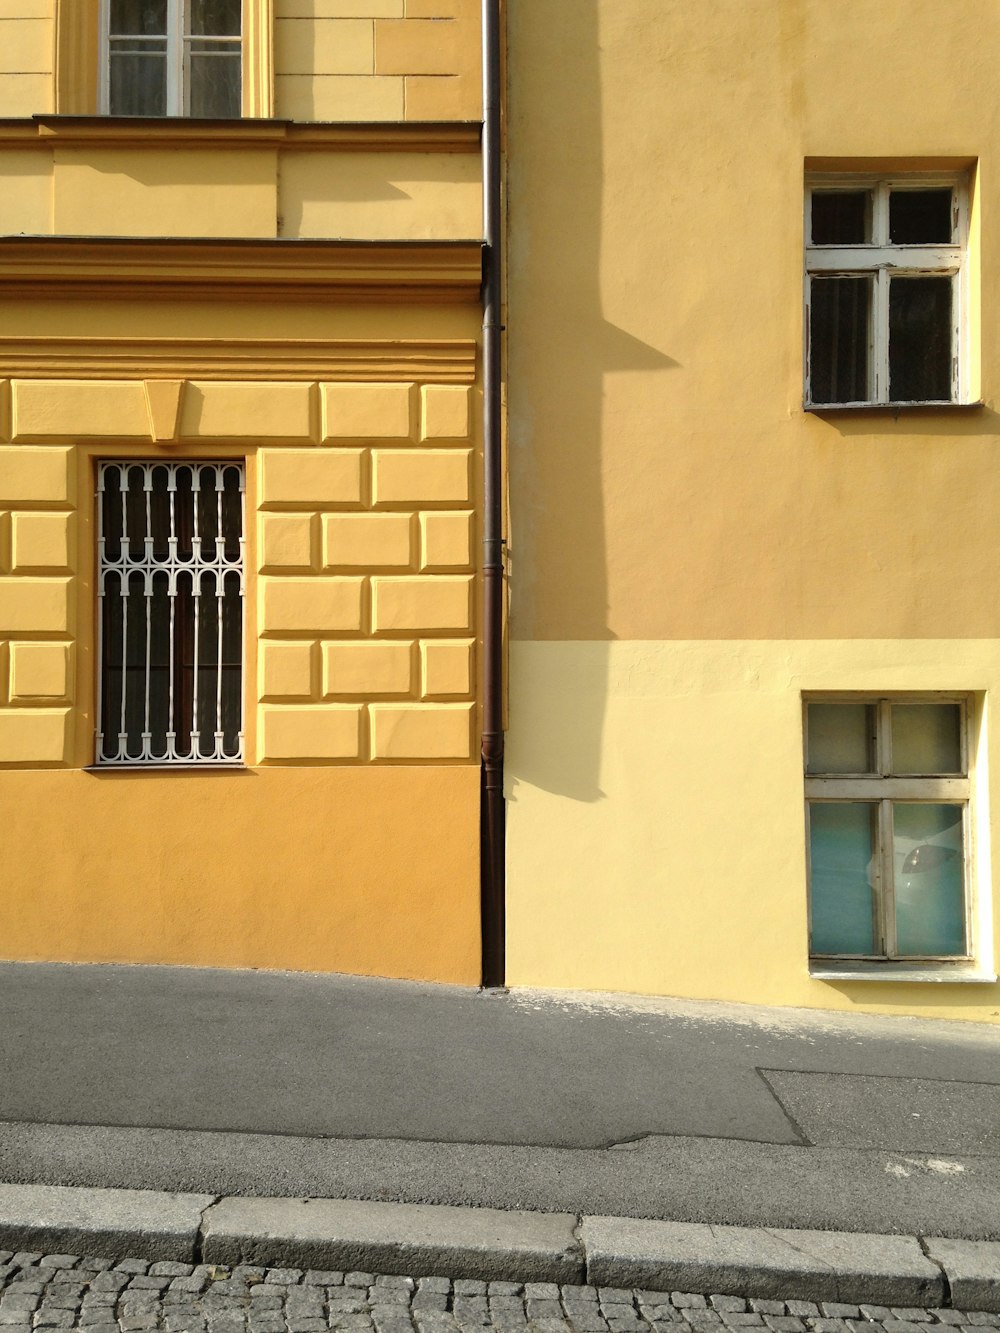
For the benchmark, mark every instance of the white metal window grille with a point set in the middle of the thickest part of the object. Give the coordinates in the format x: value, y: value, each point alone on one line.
x: 172, y: 57
x: 885, y: 280
x: 171, y: 589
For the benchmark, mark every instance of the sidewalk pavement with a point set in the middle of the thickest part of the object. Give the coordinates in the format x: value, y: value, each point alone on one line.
x: 243, y: 1085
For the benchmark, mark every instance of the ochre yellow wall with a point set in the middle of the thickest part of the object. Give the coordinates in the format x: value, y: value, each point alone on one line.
x: 293, y: 190
x: 322, y: 869
x: 27, y: 37
x: 667, y: 489
x: 351, y: 840
x: 377, y: 60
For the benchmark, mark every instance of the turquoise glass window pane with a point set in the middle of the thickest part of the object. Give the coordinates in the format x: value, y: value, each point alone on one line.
x: 926, y: 738
x: 929, y: 862
x: 842, y: 867
x: 839, y: 738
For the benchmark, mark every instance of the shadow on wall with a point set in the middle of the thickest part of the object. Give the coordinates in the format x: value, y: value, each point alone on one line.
x: 560, y: 349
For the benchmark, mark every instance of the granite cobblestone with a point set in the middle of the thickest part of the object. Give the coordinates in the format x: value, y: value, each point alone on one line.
x: 60, y: 1293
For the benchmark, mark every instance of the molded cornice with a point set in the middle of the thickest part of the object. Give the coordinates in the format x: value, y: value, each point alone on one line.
x: 444, y: 361
x: 38, y: 267
x: 161, y: 132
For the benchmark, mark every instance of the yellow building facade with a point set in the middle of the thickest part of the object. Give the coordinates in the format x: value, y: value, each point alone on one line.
x: 248, y: 530
x: 715, y: 537
x: 281, y: 293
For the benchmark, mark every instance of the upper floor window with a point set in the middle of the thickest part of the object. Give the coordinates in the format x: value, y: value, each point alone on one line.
x: 885, y: 290
x: 172, y: 58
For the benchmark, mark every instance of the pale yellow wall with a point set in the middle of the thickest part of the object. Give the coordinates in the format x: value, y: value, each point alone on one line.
x: 689, y: 549
x: 656, y: 820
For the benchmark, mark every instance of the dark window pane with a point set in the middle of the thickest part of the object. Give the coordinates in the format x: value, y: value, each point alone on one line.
x: 232, y: 513
x: 920, y: 340
x: 183, y: 664
x: 215, y: 18
x: 208, y: 511
x: 838, y: 340
x: 184, y: 514
x: 159, y: 663
x: 842, y: 868
x: 135, y: 664
x: 111, y: 503
x: 111, y: 678
x: 135, y: 513
x: 215, y: 81
x: 137, y: 82
x: 141, y: 18
x: 208, y: 615
x: 920, y: 217
x: 841, y: 217
x: 232, y: 658
x: 159, y: 514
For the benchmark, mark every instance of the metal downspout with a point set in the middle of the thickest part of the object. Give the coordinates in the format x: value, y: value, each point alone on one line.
x: 492, y: 874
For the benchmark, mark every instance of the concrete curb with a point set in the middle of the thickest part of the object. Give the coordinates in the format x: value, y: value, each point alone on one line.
x: 71, y: 1220
x: 434, y: 1240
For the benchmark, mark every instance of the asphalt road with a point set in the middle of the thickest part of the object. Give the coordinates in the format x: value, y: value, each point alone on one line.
x: 268, y: 1083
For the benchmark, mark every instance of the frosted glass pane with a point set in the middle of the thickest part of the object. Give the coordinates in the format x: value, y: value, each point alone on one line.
x: 841, y: 854
x: 926, y: 738
x: 930, y: 879
x: 839, y: 738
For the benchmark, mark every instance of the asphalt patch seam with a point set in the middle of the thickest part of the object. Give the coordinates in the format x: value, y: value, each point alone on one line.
x: 804, y: 1140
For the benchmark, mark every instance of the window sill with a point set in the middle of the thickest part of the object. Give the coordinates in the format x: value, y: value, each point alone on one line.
x: 820, y: 409
x: 221, y: 767
x: 957, y: 974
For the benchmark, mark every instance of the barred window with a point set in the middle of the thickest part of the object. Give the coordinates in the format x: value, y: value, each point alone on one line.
x: 171, y: 586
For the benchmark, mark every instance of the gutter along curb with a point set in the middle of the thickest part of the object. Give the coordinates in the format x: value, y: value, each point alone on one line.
x: 434, y: 1240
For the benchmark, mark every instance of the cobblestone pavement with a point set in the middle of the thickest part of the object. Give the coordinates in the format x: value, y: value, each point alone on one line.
x: 63, y: 1291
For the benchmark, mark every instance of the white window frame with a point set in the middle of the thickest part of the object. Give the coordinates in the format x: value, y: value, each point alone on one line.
x: 881, y: 261
x: 177, y: 38
x: 885, y: 788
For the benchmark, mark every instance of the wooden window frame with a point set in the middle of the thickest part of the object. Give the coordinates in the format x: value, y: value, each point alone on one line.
x: 81, y: 56
x: 883, y: 788
x: 881, y: 261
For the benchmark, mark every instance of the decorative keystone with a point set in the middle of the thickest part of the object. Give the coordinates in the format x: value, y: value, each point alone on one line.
x: 164, y: 399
